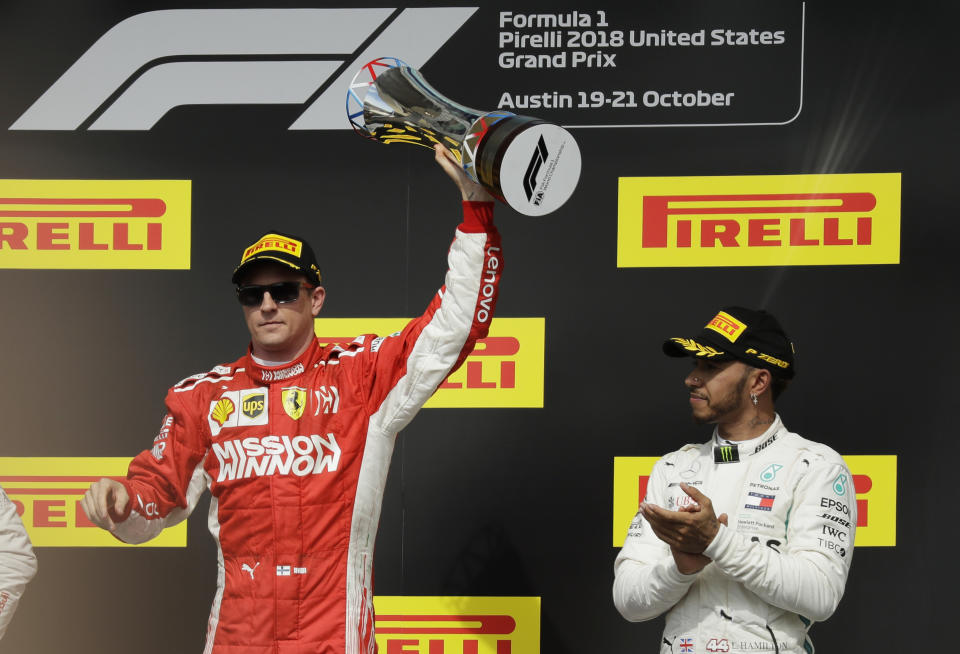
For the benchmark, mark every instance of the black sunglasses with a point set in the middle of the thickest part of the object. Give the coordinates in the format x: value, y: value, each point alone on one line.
x: 281, y: 292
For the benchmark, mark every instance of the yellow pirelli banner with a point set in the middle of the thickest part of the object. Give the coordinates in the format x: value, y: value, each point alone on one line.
x: 504, y: 370
x: 97, y: 224
x: 457, y: 625
x: 874, y: 477
x: 47, y: 493
x: 759, y: 220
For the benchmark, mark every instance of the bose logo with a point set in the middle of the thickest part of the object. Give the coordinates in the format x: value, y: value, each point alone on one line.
x: 152, y: 62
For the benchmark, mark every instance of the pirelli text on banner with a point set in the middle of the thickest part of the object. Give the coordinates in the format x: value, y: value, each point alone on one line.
x: 95, y: 224
x: 874, y: 478
x: 759, y: 220
x: 47, y: 493
x: 505, y: 369
x: 455, y: 625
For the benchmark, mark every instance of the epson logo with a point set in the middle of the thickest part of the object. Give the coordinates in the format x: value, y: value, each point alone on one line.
x: 152, y: 62
x: 533, y: 169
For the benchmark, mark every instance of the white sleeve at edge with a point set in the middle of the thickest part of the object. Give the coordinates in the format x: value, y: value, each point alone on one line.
x: 18, y: 563
x: 647, y: 581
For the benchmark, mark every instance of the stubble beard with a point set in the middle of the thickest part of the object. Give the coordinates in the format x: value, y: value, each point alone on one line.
x: 726, y: 405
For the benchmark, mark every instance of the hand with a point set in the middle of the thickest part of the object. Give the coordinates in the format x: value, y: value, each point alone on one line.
x: 469, y: 189
x: 104, y: 503
x: 689, y: 530
x: 689, y: 564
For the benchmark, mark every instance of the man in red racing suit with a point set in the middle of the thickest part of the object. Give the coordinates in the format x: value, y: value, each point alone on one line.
x: 296, y: 455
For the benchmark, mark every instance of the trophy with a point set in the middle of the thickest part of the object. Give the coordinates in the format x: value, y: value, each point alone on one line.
x: 530, y: 164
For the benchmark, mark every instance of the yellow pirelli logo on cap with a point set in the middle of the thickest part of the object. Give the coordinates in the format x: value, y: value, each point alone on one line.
x: 874, y: 480
x: 473, y: 625
x: 727, y: 326
x: 47, y: 493
x: 505, y: 369
x: 759, y: 220
x: 275, y: 243
x: 95, y: 224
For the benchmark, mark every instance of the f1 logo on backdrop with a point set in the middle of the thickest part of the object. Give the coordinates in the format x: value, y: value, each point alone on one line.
x: 98, y: 224
x: 152, y: 62
x: 760, y: 220
x: 874, y: 477
x: 505, y: 369
x: 47, y: 493
x: 451, y: 625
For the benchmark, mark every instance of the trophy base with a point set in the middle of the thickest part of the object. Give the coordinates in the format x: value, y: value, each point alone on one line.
x: 532, y: 165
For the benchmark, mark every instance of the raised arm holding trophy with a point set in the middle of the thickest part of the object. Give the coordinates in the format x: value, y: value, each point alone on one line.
x: 294, y: 439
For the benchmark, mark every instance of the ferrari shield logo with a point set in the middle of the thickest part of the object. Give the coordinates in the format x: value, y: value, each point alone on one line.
x: 294, y: 401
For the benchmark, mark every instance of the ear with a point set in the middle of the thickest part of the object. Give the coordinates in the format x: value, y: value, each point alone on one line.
x: 761, y: 381
x: 317, y: 295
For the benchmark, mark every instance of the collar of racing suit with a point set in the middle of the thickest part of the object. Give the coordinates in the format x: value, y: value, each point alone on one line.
x: 286, y: 371
x: 725, y: 451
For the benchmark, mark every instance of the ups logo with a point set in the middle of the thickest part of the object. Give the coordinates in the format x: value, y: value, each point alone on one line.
x: 253, y: 405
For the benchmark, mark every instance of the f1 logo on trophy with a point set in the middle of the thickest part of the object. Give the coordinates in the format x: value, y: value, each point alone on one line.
x: 530, y: 164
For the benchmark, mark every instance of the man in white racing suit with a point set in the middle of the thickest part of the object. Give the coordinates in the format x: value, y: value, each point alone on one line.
x: 17, y: 561
x: 743, y: 541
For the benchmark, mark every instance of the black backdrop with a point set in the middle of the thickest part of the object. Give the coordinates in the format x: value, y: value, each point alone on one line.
x: 495, y: 501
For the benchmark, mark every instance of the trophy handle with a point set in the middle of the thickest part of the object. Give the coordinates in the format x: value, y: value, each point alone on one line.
x: 530, y: 164
x: 391, y: 102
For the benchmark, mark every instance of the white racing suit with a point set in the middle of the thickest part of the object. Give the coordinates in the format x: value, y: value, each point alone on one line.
x: 17, y: 561
x: 779, y: 566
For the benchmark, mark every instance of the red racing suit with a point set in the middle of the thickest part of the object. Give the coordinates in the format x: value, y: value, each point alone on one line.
x: 296, y: 459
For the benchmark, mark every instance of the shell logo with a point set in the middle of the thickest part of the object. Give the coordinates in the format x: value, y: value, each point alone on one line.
x: 222, y: 410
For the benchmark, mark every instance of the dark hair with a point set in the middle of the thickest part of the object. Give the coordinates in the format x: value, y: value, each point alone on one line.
x: 777, y: 386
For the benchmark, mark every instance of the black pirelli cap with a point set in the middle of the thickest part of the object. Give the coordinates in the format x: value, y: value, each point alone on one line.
x: 285, y: 249
x: 754, y: 337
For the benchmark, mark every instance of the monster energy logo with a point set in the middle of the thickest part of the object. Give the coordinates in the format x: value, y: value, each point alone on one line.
x: 839, y: 485
x: 726, y: 454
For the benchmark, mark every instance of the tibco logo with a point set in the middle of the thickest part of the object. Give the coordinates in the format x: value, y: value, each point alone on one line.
x: 152, y: 62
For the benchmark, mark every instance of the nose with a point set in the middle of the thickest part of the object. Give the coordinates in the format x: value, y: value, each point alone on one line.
x: 693, y: 379
x: 267, y: 304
